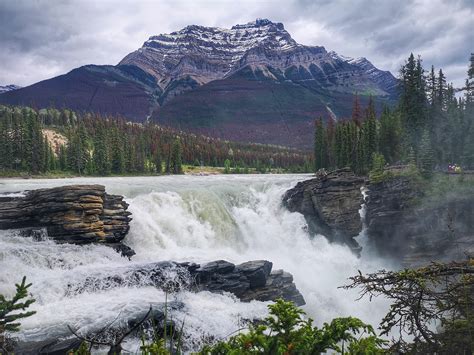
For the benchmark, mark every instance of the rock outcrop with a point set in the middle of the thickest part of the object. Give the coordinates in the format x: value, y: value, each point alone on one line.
x: 77, y: 214
x: 405, y: 224
x: 253, y: 280
x: 330, y: 204
x: 64, y: 342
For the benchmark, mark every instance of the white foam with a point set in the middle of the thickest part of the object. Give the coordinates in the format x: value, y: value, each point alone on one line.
x: 236, y: 218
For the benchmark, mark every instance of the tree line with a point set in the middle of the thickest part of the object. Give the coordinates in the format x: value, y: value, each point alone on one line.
x: 96, y: 145
x: 430, y: 127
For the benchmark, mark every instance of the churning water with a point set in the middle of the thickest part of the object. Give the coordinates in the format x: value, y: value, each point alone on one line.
x: 185, y: 218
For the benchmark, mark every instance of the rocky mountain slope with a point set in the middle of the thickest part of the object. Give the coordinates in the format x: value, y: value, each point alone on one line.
x: 251, y: 82
x: 6, y: 88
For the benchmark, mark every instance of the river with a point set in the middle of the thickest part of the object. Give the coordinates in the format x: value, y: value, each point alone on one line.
x: 185, y: 218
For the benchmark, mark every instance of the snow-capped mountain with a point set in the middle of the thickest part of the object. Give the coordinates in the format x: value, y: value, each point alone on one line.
x: 205, y: 54
x: 7, y: 88
x: 250, y: 82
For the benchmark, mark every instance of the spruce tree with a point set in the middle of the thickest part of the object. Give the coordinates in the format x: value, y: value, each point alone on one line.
x: 78, y: 150
x: 356, y: 111
x: 158, y: 161
x: 370, y: 133
x: 14, y: 309
x: 389, y: 144
x: 426, y: 156
x: 102, y: 163
x: 62, y: 158
x: 320, y: 146
x: 118, y: 155
x: 176, y: 158
x: 441, y: 89
x: 413, y: 103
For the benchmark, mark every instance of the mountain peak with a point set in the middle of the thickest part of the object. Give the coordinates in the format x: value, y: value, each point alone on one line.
x: 260, y: 22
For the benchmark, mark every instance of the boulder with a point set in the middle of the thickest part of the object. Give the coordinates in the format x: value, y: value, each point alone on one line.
x: 330, y: 204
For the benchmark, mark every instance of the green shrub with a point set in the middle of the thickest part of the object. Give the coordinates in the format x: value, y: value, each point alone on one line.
x: 286, y: 331
x: 378, y: 173
x: 9, y: 308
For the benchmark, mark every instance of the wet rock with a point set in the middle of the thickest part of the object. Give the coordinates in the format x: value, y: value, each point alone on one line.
x: 252, y: 280
x: 77, y: 214
x: 65, y: 342
x: 402, y: 223
x: 330, y: 204
x: 48, y: 347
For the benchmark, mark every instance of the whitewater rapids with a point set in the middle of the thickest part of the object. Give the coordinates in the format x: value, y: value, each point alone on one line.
x: 186, y: 218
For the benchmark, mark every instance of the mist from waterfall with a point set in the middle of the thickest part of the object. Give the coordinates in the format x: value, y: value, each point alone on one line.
x: 186, y: 218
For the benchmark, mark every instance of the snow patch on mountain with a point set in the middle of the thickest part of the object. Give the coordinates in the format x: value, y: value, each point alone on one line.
x: 7, y: 88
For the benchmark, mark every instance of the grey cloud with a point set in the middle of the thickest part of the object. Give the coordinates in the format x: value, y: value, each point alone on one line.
x: 41, y: 38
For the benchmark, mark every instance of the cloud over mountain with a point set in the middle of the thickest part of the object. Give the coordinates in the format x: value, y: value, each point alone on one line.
x: 42, y: 39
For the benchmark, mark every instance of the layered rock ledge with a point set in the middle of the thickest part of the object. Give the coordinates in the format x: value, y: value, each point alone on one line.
x: 330, y: 204
x: 74, y: 214
x: 252, y: 280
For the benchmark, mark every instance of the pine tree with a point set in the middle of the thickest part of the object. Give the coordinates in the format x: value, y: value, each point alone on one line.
x: 470, y: 72
x: 378, y: 167
x: 370, y: 133
x: 118, y: 155
x: 356, y: 111
x: 62, y: 158
x: 102, y: 163
x: 413, y: 103
x: 389, y: 143
x: 158, y: 161
x: 361, y: 167
x: 441, y: 89
x: 10, y: 310
x: 320, y: 146
x: 78, y: 150
x: 431, y: 87
x: 330, y: 137
x: 426, y: 156
x: 176, y: 158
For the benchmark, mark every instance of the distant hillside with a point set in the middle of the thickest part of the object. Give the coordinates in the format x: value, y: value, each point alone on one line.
x: 252, y: 82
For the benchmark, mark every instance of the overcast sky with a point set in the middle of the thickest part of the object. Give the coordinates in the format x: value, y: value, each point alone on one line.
x: 40, y: 39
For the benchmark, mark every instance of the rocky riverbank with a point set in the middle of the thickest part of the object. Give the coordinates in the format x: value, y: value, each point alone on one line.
x: 253, y: 280
x: 402, y: 223
x: 84, y: 214
x: 330, y: 204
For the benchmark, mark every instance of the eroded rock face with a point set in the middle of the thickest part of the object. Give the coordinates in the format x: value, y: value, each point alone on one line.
x: 405, y: 225
x: 74, y: 214
x: 330, y: 204
x: 253, y: 280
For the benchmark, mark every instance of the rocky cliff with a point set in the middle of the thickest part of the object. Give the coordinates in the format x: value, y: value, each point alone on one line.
x: 330, y: 204
x: 74, y: 214
x: 403, y: 223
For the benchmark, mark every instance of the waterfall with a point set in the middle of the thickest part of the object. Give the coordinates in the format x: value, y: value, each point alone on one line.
x: 186, y: 218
